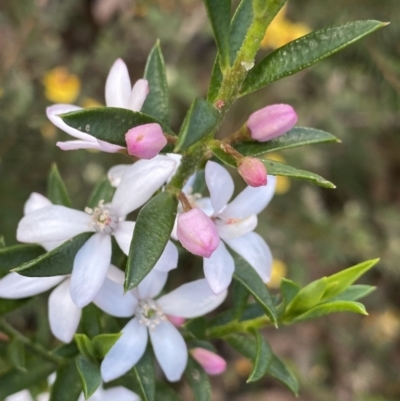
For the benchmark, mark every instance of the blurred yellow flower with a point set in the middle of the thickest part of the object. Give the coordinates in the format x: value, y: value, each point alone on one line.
x: 383, y: 327
x: 279, y: 270
x: 282, y: 31
x: 88, y: 102
x: 282, y: 183
x: 61, y: 86
x: 48, y: 131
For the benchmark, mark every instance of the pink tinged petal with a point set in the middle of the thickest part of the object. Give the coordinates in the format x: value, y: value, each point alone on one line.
x: 218, y: 269
x: 271, y: 122
x: 15, y: 286
x: 212, y: 363
x: 145, y: 141
x: 115, y: 174
x: 109, y: 147
x: 152, y: 284
x: 197, y: 233
x: 170, y: 350
x: 116, y: 274
x: 250, y: 201
x: 140, y: 182
x: 118, y: 85
x: 126, y: 352
x: 75, y: 145
x: 123, y: 235
x: 118, y: 393
x: 191, y: 300
x: 64, y: 315
x: 169, y: 259
x: 112, y: 300
x: 35, y: 202
x: 52, y: 223
x: 253, y: 172
x: 176, y: 320
x: 138, y: 95
x: 220, y: 184
x: 90, y: 269
x: 234, y: 228
x: 256, y: 252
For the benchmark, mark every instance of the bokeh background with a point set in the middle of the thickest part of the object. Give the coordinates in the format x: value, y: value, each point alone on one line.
x: 55, y: 51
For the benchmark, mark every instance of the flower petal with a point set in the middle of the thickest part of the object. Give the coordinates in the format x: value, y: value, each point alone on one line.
x: 116, y: 274
x: 35, y: 202
x: 23, y: 395
x: 205, y: 205
x: 64, y: 315
x: 250, y: 201
x: 168, y: 259
x: 191, y: 300
x: 118, y: 85
x: 90, y: 269
x: 220, y: 184
x: 139, y: 183
x: 126, y: 352
x: 170, y: 350
x: 109, y: 147
x: 15, y: 286
x: 123, y: 234
x: 255, y: 251
x: 218, y: 269
x: 115, y: 174
x: 119, y: 393
x: 78, y: 144
x: 138, y: 95
x: 152, y: 284
x: 237, y: 227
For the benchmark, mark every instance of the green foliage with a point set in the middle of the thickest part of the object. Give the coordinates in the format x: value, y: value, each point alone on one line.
x: 57, y: 191
x: 103, y: 191
x: 198, y: 381
x: 104, y: 342
x: 67, y: 386
x: 89, y: 373
x: 145, y: 376
x: 263, y: 357
x: 16, y: 354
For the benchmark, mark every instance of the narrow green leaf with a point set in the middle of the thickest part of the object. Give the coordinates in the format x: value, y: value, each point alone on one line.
x: 66, y: 350
x: 224, y: 157
x: 240, y: 296
x: 85, y: 346
x: 57, y: 262
x: 280, y: 371
x: 262, y: 359
x: 2, y: 242
x: 16, y: 354
x: 153, y: 226
x: 298, y: 136
x: 289, y: 290
x: 104, y: 342
x: 157, y: 101
x: 248, y: 277
x: 215, y: 81
x: 197, y: 327
x: 165, y: 393
x: 8, y: 305
x: 306, y: 51
x: 90, y: 321
x: 354, y: 293
x: 145, y: 375
x: 67, y: 386
x: 276, y: 168
x: 199, y: 185
x: 103, y: 191
x: 243, y: 344
x: 90, y: 375
x: 198, y: 381
x: 109, y: 124
x: 200, y: 120
x: 57, y: 191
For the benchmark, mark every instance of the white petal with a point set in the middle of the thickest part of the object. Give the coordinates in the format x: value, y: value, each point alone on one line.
x: 109, y: 147
x: 220, y: 184
x: 191, y: 300
x: 168, y: 259
x: 139, y: 183
x: 50, y: 245
x: 205, y: 205
x: 118, y: 85
x: 255, y: 251
x: 123, y: 234
x: 126, y: 352
x: 250, y: 201
x: 237, y: 227
x: 111, y: 299
x: 152, y: 284
x: 35, y: 202
x: 119, y: 393
x: 218, y: 269
x: 53, y: 113
x: 64, y: 315
x: 52, y: 223
x: 115, y: 173
x: 15, y: 286
x: 90, y: 269
x: 78, y: 144
x: 138, y: 95
x: 188, y: 187
x: 116, y: 274
x: 23, y: 395
x: 170, y: 350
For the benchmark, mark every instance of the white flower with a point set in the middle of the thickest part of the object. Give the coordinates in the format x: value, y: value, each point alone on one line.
x: 118, y: 93
x: 56, y: 224
x: 187, y: 301
x: 118, y: 393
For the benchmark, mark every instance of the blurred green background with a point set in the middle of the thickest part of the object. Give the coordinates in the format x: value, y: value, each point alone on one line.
x: 312, y: 231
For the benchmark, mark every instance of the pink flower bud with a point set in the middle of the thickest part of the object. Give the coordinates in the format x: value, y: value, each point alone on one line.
x: 271, y: 121
x: 197, y: 232
x: 176, y: 320
x: 253, y: 171
x: 212, y: 363
x: 145, y: 141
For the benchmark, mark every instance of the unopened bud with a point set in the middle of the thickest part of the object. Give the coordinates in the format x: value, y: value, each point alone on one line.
x: 271, y: 121
x: 145, y: 141
x: 212, y: 363
x: 253, y: 171
x: 197, y: 233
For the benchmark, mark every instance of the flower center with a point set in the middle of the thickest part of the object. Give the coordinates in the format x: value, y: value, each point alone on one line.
x: 103, y: 218
x: 150, y: 313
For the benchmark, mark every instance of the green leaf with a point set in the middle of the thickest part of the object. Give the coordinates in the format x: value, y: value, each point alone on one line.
x: 153, y: 226
x: 90, y: 375
x: 2, y: 242
x: 276, y: 168
x: 109, y: 124
x: 57, y: 262
x: 197, y: 327
x: 262, y: 359
x: 353, y: 293
x: 306, y: 51
x: 289, y: 290
x: 67, y: 386
x: 199, y: 185
x: 248, y: 277
x: 16, y: 354
x: 8, y: 305
x: 200, y: 120
x: 13, y: 256
x: 57, y: 192
x: 221, y: 155
x: 145, y: 375
x: 298, y: 136
x: 85, y: 346
x: 104, y: 342
x: 215, y: 81
x: 219, y: 14
x: 165, y: 393
x: 240, y: 296
x: 198, y: 380
x: 103, y: 191
x: 280, y: 371
x: 90, y: 322
x: 243, y: 344
x: 157, y: 101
